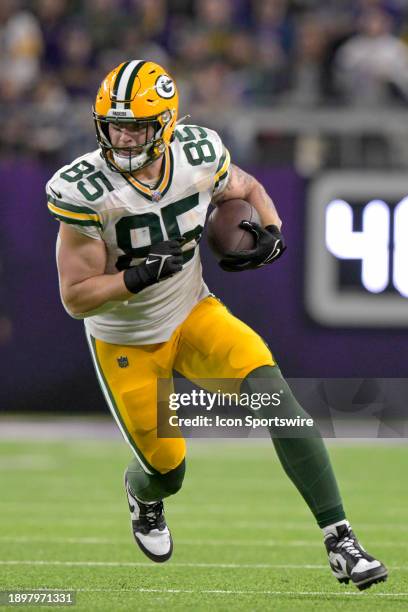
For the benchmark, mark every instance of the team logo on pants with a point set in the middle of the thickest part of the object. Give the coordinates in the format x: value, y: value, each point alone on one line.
x: 123, y: 362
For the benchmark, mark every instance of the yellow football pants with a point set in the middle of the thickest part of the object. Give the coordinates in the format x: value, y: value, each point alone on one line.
x: 210, y: 344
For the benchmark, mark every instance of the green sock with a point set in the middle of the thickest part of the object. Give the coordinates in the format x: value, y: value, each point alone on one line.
x: 153, y: 487
x: 304, y: 459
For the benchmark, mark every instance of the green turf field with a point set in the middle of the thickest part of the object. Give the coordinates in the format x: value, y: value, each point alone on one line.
x: 244, y: 540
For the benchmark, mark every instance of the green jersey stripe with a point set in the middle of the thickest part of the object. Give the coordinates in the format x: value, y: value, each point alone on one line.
x: 149, y: 196
x: 75, y: 221
x: 113, y: 406
x: 171, y: 162
x: 222, y: 160
x: 70, y: 207
x: 131, y: 81
x: 221, y: 178
x: 116, y: 85
x: 142, y: 193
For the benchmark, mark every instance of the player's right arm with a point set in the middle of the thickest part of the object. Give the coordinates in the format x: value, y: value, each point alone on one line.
x: 86, y: 289
x: 81, y: 267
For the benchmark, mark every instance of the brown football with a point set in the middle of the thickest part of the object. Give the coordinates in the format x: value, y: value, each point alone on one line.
x: 223, y: 231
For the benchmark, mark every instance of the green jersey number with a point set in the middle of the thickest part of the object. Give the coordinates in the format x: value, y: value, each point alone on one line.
x: 150, y: 223
x: 198, y: 148
x: 97, y: 180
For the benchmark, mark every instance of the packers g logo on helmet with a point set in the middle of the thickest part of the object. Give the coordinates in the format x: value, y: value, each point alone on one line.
x: 139, y: 93
x: 165, y: 86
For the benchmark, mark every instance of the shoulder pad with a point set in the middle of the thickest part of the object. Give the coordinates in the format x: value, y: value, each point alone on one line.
x: 73, y: 191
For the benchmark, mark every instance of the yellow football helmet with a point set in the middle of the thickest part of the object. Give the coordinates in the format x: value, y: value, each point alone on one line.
x: 143, y: 95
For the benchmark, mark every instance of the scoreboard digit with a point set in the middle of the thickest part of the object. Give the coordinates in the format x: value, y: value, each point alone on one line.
x: 357, y: 249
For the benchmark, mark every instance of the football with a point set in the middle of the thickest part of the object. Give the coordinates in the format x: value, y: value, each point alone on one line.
x: 223, y: 231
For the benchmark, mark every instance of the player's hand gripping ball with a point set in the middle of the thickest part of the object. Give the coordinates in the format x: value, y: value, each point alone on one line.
x: 238, y: 240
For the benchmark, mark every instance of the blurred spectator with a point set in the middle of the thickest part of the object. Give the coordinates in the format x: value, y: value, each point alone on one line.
x: 209, y: 88
x: 216, y: 19
x: 214, y: 14
x: 271, y: 21
x: 241, y: 59
x: 271, y: 72
x: 104, y: 21
x: 77, y: 63
x: 52, y: 16
x: 152, y: 20
x: 309, y: 52
x: 194, y: 50
x: 372, y: 67
x: 272, y: 31
x: 50, y: 106
x: 223, y: 53
x: 21, y: 46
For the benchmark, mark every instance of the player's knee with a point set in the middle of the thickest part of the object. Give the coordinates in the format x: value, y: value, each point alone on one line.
x: 250, y: 353
x: 168, y: 455
x: 173, y: 480
x: 267, y: 376
x: 268, y: 380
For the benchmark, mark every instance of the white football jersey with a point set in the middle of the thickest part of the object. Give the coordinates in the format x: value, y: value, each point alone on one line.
x: 129, y: 216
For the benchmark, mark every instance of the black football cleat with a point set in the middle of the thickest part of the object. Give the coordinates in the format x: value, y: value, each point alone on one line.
x: 149, y: 528
x: 349, y: 561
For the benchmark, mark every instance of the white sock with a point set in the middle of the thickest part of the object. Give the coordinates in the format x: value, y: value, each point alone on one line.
x: 332, y: 528
x: 146, y: 503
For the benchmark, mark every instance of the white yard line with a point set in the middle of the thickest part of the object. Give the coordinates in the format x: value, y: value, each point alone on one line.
x: 151, y: 565
x: 8, y: 523
x: 186, y: 542
x: 232, y: 592
x: 196, y: 523
x: 173, y: 564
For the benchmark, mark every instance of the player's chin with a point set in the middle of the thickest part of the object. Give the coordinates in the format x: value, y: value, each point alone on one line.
x: 124, y: 157
x: 124, y: 160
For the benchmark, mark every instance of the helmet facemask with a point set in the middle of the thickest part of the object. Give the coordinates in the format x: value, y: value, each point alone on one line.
x: 130, y: 159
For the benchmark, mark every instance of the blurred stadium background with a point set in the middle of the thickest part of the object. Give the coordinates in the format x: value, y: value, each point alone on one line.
x: 309, y: 95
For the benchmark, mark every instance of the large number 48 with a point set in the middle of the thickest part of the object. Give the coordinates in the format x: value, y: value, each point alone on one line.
x: 372, y: 244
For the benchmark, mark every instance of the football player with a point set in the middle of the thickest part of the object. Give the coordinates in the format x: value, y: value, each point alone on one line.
x: 132, y: 213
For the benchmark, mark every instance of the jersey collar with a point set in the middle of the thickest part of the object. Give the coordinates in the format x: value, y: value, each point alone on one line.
x: 155, y: 194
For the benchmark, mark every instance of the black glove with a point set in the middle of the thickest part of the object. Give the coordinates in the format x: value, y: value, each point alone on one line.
x: 270, y: 244
x: 164, y: 260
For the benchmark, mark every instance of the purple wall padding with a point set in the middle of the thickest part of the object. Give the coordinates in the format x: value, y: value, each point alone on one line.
x: 45, y: 364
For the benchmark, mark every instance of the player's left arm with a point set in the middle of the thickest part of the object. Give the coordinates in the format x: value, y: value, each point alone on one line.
x: 269, y: 241
x: 244, y: 186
